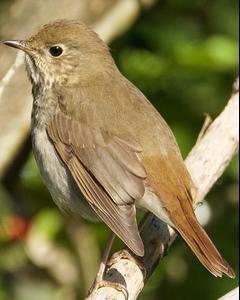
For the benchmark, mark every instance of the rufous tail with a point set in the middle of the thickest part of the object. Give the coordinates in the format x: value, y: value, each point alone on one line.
x: 204, y: 249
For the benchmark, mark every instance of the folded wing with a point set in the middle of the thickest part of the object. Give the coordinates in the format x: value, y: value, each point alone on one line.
x: 107, y: 171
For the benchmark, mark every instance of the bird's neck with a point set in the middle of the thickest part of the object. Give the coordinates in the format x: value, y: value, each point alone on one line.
x: 45, y: 106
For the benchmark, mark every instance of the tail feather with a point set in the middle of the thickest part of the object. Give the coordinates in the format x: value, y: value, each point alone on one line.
x: 204, y: 249
x: 213, y: 254
x: 175, y: 208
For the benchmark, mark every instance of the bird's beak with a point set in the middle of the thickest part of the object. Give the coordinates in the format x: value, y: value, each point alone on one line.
x: 19, y: 44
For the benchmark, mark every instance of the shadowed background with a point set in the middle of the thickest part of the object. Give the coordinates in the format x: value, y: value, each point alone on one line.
x: 183, y: 56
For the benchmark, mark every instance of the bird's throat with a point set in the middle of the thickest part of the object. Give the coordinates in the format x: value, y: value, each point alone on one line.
x: 32, y: 71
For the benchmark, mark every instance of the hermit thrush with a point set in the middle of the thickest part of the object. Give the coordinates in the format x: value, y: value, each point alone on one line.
x: 101, y: 147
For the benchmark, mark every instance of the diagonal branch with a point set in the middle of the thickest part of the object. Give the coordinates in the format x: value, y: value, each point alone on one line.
x: 232, y: 295
x: 206, y: 163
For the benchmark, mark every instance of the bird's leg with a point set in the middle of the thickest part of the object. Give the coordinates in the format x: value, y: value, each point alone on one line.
x: 126, y: 254
x: 123, y: 254
x: 105, y: 256
x: 99, y: 281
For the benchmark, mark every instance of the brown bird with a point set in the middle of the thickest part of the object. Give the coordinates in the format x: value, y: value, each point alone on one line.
x: 101, y: 147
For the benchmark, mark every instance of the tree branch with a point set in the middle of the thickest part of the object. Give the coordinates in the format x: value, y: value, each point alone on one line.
x: 206, y: 162
x: 232, y: 295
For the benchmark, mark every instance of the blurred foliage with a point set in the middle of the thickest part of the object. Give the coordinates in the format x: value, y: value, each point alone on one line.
x: 183, y: 55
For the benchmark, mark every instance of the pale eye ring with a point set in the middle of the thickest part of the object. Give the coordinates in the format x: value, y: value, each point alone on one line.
x: 55, y: 51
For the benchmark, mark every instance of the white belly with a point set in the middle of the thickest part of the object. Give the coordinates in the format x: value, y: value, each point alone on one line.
x: 56, y: 177
x: 152, y: 203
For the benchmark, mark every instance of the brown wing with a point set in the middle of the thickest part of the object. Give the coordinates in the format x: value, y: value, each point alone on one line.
x: 107, y: 171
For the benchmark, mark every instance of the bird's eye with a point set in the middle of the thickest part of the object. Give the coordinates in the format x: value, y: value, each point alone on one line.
x: 56, y: 51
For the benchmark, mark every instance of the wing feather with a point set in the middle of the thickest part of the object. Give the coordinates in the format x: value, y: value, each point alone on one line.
x: 107, y: 171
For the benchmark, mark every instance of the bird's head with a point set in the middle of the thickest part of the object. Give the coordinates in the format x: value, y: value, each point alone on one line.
x: 64, y: 52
